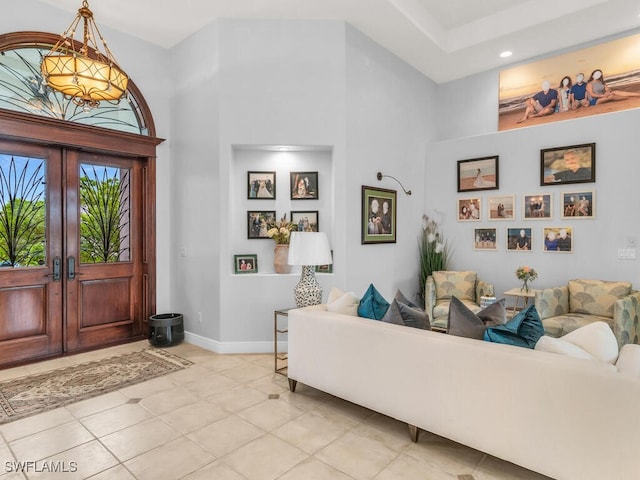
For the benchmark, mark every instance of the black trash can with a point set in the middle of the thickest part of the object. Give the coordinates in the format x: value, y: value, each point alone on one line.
x: 166, y: 329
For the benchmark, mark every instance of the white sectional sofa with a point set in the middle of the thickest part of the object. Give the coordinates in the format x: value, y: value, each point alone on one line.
x: 564, y: 417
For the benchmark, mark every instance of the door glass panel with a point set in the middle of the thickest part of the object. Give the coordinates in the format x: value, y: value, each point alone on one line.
x: 22, y: 211
x: 104, y: 214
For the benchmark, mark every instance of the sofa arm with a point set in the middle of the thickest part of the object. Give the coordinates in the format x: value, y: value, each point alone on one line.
x: 626, y: 314
x: 551, y: 302
x: 429, y: 296
x: 484, y: 289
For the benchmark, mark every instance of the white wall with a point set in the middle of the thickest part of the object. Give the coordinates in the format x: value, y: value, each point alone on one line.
x: 596, y: 241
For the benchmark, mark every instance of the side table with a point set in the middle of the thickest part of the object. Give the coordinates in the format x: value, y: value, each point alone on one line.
x: 278, y: 330
x: 520, y: 294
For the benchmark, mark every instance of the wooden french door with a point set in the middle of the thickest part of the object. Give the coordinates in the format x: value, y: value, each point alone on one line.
x: 71, y: 242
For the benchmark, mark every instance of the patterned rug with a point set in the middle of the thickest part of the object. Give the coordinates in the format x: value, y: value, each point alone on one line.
x: 25, y: 396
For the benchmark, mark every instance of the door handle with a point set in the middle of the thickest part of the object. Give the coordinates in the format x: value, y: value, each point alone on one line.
x: 71, y: 268
x: 56, y: 269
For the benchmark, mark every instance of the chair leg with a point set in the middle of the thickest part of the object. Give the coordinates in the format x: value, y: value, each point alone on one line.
x: 292, y: 384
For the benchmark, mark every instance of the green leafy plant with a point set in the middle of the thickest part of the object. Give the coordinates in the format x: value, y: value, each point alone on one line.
x: 435, y: 250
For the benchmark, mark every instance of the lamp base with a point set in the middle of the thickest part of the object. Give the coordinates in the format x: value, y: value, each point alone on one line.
x: 308, y: 291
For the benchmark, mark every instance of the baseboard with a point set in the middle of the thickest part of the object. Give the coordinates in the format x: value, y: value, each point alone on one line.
x: 232, y: 347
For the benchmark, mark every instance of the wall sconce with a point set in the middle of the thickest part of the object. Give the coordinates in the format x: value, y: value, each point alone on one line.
x: 381, y: 176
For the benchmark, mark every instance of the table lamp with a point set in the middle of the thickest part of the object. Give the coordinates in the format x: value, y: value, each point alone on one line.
x: 309, y: 249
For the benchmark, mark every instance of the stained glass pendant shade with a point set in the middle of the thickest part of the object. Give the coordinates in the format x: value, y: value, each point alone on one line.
x: 85, y: 75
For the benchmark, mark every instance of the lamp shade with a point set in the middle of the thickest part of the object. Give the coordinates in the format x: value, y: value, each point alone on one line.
x: 309, y: 248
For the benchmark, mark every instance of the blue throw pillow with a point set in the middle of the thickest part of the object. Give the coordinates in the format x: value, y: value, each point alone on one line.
x: 523, y: 330
x: 372, y: 304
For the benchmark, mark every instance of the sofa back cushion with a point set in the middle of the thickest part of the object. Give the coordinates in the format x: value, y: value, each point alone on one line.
x: 459, y: 284
x: 596, y: 297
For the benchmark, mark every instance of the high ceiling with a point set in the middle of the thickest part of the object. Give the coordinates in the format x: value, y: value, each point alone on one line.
x: 444, y: 39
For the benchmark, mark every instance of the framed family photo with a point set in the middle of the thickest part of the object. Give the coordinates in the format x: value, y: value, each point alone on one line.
x: 469, y: 209
x: 578, y: 204
x: 502, y: 207
x: 304, y: 185
x: 573, y: 164
x: 261, y: 185
x: 478, y: 174
x: 257, y: 223
x: 537, y: 206
x: 519, y: 239
x: 485, y: 239
x: 306, y: 221
x: 558, y: 239
x: 378, y: 223
x: 245, y: 263
x: 325, y: 268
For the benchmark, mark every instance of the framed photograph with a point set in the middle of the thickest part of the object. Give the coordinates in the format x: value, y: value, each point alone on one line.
x: 485, y: 239
x: 519, y: 239
x: 558, y: 239
x: 261, y: 185
x: 579, y: 204
x: 304, y: 185
x: 257, y: 223
x: 306, y: 221
x: 478, y: 174
x: 325, y: 268
x: 245, y: 263
x: 378, y: 224
x: 502, y: 207
x: 469, y: 209
x: 537, y: 206
x: 573, y: 164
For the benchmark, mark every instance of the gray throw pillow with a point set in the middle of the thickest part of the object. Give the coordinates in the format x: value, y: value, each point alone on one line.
x: 402, y: 299
x: 393, y: 314
x: 464, y: 323
x: 414, y: 316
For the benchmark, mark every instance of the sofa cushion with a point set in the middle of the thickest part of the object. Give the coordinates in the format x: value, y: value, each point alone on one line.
x: 562, y: 324
x: 551, y: 302
x: 594, y: 341
x: 628, y: 362
x: 596, y: 297
x: 523, y: 330
x: 372, y: 304
x: 463, y: 322
x: 342, y: 302
x: 598, y: 339
x: 558, y: 345
x: 451, y: 283
x: 402, y: 314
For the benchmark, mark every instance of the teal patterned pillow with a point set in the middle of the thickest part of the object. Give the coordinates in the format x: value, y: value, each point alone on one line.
x: 523, y: 330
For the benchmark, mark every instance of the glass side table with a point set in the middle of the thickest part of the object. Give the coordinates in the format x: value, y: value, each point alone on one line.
x: 279, y: 330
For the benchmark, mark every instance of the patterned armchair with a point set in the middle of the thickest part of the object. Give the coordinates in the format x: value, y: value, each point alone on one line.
x: 563, y: 309
x: 442, y: 285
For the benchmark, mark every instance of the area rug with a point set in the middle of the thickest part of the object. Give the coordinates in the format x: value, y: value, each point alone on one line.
x: 25, y: 396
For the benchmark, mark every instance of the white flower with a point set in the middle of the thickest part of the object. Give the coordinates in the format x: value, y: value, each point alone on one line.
x: 431, y: 237
x: 439, y: 247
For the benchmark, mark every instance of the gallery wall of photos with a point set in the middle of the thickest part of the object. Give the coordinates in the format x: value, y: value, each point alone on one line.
x: 272, y: 187
x: 537, y: 221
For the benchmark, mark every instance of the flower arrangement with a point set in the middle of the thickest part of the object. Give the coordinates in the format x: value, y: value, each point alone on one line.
x: 526, y: 274
x: 280, y: 231
x: 435, y: 251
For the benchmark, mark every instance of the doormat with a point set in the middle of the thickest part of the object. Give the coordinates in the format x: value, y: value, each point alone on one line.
x: 25, y: 396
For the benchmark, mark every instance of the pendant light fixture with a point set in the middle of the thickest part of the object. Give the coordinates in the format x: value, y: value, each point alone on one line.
x: 85, y: 75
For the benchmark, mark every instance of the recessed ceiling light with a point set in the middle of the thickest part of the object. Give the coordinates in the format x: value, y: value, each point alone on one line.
x: 506, y: 53
x: 283, y: 149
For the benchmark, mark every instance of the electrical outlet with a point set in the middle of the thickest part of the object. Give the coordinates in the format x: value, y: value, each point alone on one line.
x: 199, y: 317
x: 632, y: 242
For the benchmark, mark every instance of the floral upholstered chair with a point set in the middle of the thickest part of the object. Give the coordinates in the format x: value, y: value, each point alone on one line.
x: 580, y: 302
x: 442, y: 285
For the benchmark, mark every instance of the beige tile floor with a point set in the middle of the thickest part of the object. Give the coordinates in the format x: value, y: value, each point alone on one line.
x: 219, y: 420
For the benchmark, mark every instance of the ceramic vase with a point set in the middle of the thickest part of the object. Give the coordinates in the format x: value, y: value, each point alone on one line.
x: 281, y: 259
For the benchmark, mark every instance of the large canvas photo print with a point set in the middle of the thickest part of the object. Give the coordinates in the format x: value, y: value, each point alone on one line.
x: 600, y: 79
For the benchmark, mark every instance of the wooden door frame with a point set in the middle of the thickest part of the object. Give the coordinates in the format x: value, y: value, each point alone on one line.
x: 27, y: 128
